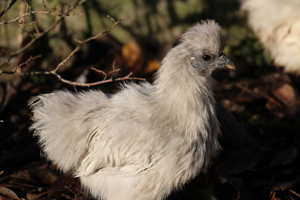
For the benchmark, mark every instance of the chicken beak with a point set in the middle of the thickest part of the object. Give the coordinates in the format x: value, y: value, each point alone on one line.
x: 224, y: 61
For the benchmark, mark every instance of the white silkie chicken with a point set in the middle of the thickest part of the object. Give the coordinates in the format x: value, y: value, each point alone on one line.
x: 146, y: 140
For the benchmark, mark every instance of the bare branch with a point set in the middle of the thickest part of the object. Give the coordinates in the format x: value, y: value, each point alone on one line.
x: 128, y: 77
x: 104, y: 73
x: 33, y: 12
x: 45, y: 6
x: 29, y: 24
x: 8, y: 7
x: 26, y: 31
x: 54, y: 72
x: 29, y: 43
x: 26, y: 62
x: 65, y: 60
x: 104, y: 32
x: 259, y: 94
x: 295, y: 193
x: 70, y: 12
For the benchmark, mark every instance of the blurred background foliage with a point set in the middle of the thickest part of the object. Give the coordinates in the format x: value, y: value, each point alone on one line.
x: 156, y: 25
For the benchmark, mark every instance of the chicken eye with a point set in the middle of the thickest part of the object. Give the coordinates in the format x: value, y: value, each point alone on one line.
x: 206, y: 57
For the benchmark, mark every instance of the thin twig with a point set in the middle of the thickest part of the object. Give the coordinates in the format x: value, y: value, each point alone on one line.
x: 85, y: 41
x: 29, y: 43
x: 59, y: 14
x: 269, y: 98
x: 45, y: 6
x: 104, y: 73
x: 26, y: 62
x: 8, y: 7
x: 54, y: 72
x: 65, y: 60
x: 44, y: 193
x: 13, y: 54
x: 29, y: 24
x: 32, y: 35
x: 70, y: 189
x: 101, y: 33
x: 69, y: 10
x: 30, y: 13
x: 295, y: 193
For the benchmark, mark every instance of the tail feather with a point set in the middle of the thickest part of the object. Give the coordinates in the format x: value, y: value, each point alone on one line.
x: 57, y: 121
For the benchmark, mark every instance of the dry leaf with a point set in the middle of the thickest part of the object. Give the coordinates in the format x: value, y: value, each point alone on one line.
x: 132, y: 55
x: 285, y: 94
x: 9, y: 193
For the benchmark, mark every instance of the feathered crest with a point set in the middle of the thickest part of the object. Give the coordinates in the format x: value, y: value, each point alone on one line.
x: 204, y: 32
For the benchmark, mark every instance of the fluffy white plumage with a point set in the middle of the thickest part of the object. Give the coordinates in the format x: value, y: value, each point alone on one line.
x: 146, y: 140
x: 277, y: 24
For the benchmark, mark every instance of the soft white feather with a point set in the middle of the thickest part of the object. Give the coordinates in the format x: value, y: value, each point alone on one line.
x: 277, y: 25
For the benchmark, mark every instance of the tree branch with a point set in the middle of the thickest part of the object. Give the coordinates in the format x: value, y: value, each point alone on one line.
x: 43, y: 12
x: 69, y: 10
x: 54, y: 72
x: 112, y: 27
x: 29, y: 43
x: 8, y: 7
